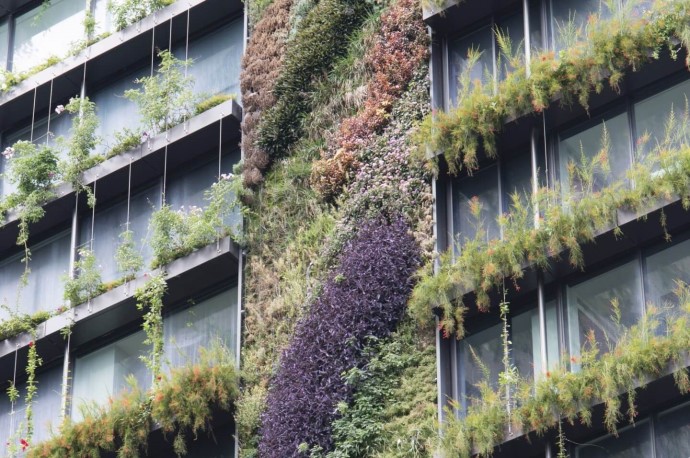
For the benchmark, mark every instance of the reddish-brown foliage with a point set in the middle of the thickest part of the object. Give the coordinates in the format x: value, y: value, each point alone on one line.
x: 400, y: 47
x: 261, y: 66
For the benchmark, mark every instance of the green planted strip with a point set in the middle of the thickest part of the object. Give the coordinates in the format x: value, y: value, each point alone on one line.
x: 611, y: 47
x: 645, y: 351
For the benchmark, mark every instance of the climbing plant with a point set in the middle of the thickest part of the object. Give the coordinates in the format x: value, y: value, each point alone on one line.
x: 150, y: 300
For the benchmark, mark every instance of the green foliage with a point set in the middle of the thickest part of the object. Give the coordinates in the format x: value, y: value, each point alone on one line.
x: 213, y: 101
x: 393, y: 412
x: 176, y: 233
x: 150, y: 300
x: 125, y: 140
x: 33, y: 362
x: 182, y: 402
x: 129, y: 260
x: 612, y: 46
x: 19, y: 323
x: 313, y: 49
x: 86, y: 282
x: 166, y: 98
x: 657, y: 344
x: 127, y: 12
x: 81, y: 142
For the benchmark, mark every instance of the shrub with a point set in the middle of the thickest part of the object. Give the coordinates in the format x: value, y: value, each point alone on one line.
x: 364, y: 298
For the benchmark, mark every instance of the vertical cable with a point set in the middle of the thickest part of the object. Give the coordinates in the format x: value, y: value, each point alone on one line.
x: 33, y: 116
x: 165, y: 172
x: 153, y: 48
x: 129, y: 192
x: 93, y: 226
x: 14, y: 384
x: 186, y: 66
x: 170, y: 33
x: 220, y: 159
x: 50, y: 108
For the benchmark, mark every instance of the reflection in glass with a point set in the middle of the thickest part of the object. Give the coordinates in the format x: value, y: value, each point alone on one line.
x: 633, y: 442
x: 102, y: 373
x: 200, y: 326
x: 45, y: 31
x: 481, y: 41
x: 582, y: 148
x: 569, y: 20
x: 526, y: 348
x: 49, y: 263
x: 488, y: 348
x: 483, y: 186
x: 46, y: 406
x: 672, y: 433
x: 590, y: 307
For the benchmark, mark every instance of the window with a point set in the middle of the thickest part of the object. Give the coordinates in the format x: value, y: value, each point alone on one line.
x: 485, y: 346
x: 45, y: 31
x: 216, y: 60
x: 188, y: 189
x: 46, y: 406
x: 526, y: 346
x: 490, y: 187
x: 590, y: 306
x: 104, y: 372
x: 653, y: 113
x: 609, y: 140
x: 4, y: 43
x: 569, y: 19
x: 114, y: 111
x: 491, y: 61
x: 632, y: 442
x: 199, y: 326
x: 49, y: 263
x: 111, y: 221
x: 672, y: 431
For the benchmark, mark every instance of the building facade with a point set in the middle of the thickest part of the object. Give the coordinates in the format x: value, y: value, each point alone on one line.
x: 557, y: 311
x: 58, y: 50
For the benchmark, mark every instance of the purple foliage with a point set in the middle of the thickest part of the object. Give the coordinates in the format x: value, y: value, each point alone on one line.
x: 365, y: 296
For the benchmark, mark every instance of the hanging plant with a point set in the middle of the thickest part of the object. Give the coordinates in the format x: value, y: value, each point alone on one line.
x: 150, y: 300
x: 86, y: 282
x: 128, y: 258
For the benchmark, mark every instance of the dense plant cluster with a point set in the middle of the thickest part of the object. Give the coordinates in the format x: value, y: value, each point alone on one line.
x: 261, y: 66
x: 393, y: 409
x: 611, y: 47
x: 182, y: 402
x: 657, y: 344
x: 364, y: 298
x: 127, y: 12
x: 400, y: 47
x: 150, y: 301
x: 316, y: 45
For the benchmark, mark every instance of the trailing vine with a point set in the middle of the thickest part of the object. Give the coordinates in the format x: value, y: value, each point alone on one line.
x: 150, y: 301
x: 34, y: 361
x: 86, y: 282
x: 127, y: 257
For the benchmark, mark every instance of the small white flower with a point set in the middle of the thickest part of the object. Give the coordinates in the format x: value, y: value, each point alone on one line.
x: 226, y: 176
x: 59, y: 109
x: 8, y: 153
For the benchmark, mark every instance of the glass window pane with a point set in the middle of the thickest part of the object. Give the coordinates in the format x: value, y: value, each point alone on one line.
x: 483, y: 70
x: 111, y: 222
x: 200, y: 326
x: 517, y: 178
x: 652, y: 116
x: 46, y: 406
x: 664, y: 269
x: 514, y: 27
x: 487, y: 346
x: 4, y: 43
x: 103, y: 17
x: 216, y: 60
x: 483, y: 185
x: 188, y: 189
x: 114, y: 111
x: 569, y: 19
x: 49, y: 262
x: 583, y: 147
x: 590, y: 307
x: 48, y: 30
x: 672, y: 433
x: 526, y: 341
x: 103, y: 373
x: 535, y: 23
x: 632, y: 442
